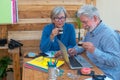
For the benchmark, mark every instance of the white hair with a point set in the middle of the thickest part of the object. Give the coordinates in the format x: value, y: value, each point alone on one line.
x: 57, y: 10
x: 89, y: 11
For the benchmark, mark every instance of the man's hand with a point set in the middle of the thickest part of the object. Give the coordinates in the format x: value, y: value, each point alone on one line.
x: 88, y: 46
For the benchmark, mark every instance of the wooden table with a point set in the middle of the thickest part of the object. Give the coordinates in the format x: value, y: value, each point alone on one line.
x: 29, y: 74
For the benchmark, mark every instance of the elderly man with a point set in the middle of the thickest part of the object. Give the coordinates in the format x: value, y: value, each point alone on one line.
x: 101, y: 43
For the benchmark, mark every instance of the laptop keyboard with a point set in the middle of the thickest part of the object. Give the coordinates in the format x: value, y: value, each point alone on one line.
x: 74, y: 62
x: 83, y: 61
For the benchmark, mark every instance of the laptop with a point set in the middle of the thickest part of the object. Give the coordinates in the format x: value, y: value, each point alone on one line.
x: 74, y: 62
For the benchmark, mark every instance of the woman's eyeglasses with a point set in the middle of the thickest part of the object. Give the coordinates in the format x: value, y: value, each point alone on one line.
x: 58, y: 19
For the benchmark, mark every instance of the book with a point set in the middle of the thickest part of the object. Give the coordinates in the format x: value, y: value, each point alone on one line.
x: 8, y: 13
x: 41, y: 63
x: 14, y: 11
x: 35, y: 68
x: 5, y: 13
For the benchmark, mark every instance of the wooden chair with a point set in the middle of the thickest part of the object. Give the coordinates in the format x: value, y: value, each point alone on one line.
x: 16, y: 63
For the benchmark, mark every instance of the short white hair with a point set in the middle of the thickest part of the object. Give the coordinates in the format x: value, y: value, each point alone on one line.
x: 57, y: 10
x: 89, y: 11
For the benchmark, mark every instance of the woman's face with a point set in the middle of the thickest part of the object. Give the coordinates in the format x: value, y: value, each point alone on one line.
x: 59, y: 20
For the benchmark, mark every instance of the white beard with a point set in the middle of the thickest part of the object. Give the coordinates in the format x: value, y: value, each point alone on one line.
x: 90, y: 29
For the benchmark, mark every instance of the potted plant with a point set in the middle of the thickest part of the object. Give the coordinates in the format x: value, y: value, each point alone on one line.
x: 4, y: 62
x: 79, y: 24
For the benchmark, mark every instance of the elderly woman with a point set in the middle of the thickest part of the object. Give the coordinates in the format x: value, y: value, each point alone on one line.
x: 58, y: 29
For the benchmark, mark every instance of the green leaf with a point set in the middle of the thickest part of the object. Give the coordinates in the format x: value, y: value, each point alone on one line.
x: 4, y: 62
x: 78, y: 22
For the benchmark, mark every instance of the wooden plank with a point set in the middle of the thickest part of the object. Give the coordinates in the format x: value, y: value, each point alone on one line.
x: 43, y: 11
x: 30, y: 26
x: 94, y: 2
x: 26, y: 27
x: 3, y: 31
x: 3, y: 52
x: 16, y: 63
x: 91, y: 2
x: 31, y: 35
x: 30, y: 43
x: 4, y: 47
x: 42, y: 14
x: 88, y: 1
x: 16, y: 66
x: 34, y: 14
x: 51, y: 2
x: 42, y: 20
x: 45, y: 8
x: 34, y: 20
x: 30, y: 49
x: 24, y: 35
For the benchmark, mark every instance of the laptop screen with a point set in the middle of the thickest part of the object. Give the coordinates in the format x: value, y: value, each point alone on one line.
x: 64, y: 51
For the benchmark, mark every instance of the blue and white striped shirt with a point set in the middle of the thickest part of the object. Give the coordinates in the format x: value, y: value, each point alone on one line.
x: 107, y: 50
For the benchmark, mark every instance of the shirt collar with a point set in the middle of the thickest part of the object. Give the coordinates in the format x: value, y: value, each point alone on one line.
x: 97, y: 29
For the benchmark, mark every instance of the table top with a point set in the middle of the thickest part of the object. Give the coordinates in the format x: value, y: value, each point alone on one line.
x: 30, y: 74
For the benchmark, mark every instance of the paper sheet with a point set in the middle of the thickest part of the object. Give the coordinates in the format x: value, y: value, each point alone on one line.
x: 50, y: 53
x: 107, y: 78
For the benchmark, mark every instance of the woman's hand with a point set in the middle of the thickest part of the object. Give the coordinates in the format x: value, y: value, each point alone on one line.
x: 58, y: 53
x: 55, y: 32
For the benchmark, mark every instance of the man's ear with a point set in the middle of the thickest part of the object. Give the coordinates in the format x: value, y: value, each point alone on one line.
x: 95, y: 18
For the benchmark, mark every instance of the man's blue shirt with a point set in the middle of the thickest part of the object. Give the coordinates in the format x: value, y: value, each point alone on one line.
x: 107, y: 50
x: 68, y: 38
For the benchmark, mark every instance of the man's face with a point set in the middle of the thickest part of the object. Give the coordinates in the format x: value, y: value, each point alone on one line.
x: 88, y: 23
x: 59, y: 20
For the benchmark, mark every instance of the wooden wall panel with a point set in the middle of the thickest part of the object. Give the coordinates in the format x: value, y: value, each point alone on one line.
x: 24, y: 35
x: 29, y: 26
x: 51, y: 2
x: 3, y: 31
x: 42, y: 14
x: 91, y: 2
x: 26, y: 27
x: 3, y: 52
x: 31, y: 38
x: 42, y: 9
x: 46, y: 7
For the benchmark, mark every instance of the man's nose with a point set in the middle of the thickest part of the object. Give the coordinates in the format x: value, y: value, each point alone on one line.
x: 84, y: 25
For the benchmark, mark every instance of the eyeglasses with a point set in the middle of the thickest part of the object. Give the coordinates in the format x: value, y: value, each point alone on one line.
x: 84, y: 22
x: 61, y: 18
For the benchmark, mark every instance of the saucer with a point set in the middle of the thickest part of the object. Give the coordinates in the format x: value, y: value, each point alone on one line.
x: 31, y: 54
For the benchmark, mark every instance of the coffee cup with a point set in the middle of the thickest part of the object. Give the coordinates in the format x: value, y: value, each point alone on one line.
x: 60, y: 30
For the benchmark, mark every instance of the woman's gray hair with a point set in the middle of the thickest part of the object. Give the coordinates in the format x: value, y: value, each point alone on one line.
x: 89, y: 11
x: 57, y: 10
